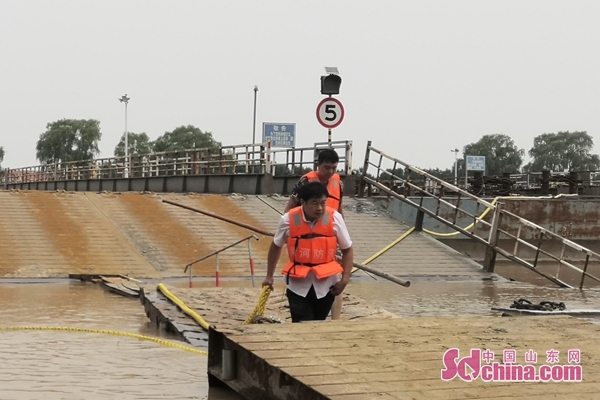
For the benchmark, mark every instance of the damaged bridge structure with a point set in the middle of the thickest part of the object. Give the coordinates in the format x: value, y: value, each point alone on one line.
x: 205, y: 217
x: 500, y: 231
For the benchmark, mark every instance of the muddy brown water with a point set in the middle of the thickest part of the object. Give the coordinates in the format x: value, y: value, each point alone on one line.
x: 77, y: 365
x: 53, y: 365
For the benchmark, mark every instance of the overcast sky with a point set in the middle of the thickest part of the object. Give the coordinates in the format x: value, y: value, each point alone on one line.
x: 419, y: 78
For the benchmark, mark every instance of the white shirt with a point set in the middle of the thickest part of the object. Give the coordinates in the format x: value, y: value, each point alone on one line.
x: 301, y: 286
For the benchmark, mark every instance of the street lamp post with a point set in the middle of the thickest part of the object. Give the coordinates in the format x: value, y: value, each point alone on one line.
x: 254, y: 120
x: 125, y: 99
x: 455, y: 151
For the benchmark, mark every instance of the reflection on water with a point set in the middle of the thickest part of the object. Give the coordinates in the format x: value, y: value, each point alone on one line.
x: 438, y: 298
x: 75, y: 365
x: 511, y: 270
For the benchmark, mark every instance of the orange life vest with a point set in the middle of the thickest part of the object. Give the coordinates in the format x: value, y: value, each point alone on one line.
x: 333, y: 187
x: 312, y: 249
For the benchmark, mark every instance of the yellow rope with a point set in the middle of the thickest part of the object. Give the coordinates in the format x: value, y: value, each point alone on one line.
x: 195, y: 316
x: 107, y: 332
x: 258, y: 310
x: 386, y: 248
x: 260, y: 307
x: 482, y: 216
x: 487, y: 210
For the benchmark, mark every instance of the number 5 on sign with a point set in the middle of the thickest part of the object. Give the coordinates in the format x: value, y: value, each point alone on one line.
x: 330, y: 112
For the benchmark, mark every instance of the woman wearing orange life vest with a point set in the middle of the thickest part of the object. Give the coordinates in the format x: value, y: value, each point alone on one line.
x: 312, y: 234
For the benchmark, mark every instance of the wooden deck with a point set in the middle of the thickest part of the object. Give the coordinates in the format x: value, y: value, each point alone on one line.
x: 397, y: 359
x: 227, y: 309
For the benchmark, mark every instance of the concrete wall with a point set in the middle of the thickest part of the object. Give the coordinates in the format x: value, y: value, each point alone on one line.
x: 215, y: 184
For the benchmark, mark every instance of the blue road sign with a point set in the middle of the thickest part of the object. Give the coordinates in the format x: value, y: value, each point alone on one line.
x: 476, y: 163
x: 281, y: 135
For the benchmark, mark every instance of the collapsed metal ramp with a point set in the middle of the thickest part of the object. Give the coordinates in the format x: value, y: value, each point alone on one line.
x: 383, y: 242
x: 487, y: 227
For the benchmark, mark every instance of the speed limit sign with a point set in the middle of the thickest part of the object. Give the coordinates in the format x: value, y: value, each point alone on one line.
x: 330, y: 112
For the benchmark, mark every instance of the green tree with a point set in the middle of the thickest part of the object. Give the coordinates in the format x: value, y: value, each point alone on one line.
x: 1, y: 155
x: 138, y: 143
x: 444, y: 174
x: 185, y: 137
x: 69, y: 140
x: 398, y: 173
x: 501, y: 154
x: 563, y: 151
x: 357, y: 173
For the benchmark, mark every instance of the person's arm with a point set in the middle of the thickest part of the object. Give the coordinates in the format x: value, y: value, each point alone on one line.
x: 340, y: 210
x: 345, y: 243
x: 291, y: 204
x: 279, y: 240
x: 340, y: 207
x: 347, y: 261
x: 272, y: 260
x: 294, y: 202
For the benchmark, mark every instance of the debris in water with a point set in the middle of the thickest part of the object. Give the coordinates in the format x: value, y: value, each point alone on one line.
x: 363, y: 207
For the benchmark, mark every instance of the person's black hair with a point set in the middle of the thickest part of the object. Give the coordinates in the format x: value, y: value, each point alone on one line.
x: 313, y: 190
x: 328, y: 156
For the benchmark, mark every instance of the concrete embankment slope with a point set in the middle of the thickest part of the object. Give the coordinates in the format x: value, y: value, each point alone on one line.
x: 53, y: 234
x: 50, y: 234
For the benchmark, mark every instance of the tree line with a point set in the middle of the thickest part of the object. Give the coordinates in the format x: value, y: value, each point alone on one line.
x: 557, y: 152
x: 77, y: 139
x: 73, y: 140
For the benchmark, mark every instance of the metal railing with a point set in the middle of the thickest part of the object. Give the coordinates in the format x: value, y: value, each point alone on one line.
x: 234, y: 159
x: 296, y: 161
x: 216, y: 254
x: 540, y: 183
x: 481, y: 230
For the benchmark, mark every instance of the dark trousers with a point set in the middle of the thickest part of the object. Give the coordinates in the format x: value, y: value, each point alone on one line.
x: 309, y: 308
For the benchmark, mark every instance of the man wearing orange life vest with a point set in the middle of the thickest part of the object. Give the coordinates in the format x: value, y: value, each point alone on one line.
x: 326, y: 174
x: 313, y: 275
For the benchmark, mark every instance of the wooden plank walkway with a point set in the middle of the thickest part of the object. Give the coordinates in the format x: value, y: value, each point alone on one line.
x: 398, y: 358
